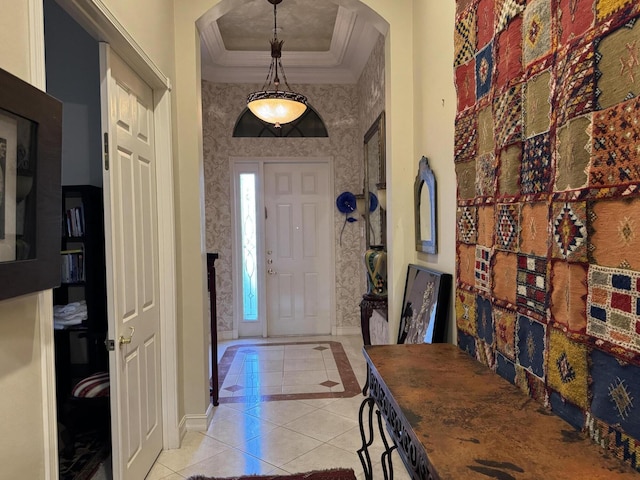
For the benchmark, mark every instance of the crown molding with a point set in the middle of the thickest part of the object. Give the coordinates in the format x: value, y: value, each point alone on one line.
x: 352, y: 42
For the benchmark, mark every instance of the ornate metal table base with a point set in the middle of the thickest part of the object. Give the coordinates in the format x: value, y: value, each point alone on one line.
x: 367, y: 440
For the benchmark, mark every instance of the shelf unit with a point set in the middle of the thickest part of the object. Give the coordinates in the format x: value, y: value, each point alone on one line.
x: 80, y: 349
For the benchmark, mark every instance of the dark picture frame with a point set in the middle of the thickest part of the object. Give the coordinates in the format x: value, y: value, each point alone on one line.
x: 426, y: 221
x: 425, y: 306
x: 31, y: 131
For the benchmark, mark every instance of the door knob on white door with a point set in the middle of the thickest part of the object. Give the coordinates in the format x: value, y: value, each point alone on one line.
x: 126, y: 340
x: 271, y: 271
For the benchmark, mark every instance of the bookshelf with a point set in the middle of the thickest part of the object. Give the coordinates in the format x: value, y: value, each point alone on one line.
x: 80, y: 349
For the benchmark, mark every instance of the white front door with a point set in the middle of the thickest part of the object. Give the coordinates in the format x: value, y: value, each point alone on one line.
x: 131, y: 240
x: 298, y: 248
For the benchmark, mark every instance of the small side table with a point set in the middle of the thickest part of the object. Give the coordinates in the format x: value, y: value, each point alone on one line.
x: 369, y: 303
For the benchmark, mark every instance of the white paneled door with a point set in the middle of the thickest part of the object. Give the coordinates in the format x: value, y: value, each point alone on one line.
x: 131, y: 240
x: 298, y: 248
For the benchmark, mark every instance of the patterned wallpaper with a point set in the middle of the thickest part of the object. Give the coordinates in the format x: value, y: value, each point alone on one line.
x: 340, y: 108
x: 547, y: 152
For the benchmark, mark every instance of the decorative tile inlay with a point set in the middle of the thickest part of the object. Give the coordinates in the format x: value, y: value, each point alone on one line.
x: 335, y: 363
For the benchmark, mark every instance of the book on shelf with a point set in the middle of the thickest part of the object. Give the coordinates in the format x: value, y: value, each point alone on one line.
x: 74, y: 222
x: 72, y: 266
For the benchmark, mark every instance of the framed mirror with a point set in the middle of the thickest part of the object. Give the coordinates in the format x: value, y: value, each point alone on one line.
x: 375, y: 183
x: 425, y: 208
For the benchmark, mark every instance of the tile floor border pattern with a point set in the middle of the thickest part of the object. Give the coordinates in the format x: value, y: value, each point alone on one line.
x: 349, y: 381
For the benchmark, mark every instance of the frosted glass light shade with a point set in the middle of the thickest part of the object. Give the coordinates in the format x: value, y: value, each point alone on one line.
x: 277, y: 107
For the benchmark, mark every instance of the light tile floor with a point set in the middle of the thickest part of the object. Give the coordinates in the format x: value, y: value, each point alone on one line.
x: 265, y: 435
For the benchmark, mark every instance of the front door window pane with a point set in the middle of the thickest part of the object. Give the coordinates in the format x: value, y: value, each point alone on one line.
x: 249, y: 242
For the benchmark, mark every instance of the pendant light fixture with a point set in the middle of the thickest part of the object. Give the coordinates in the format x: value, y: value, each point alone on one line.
x: 272, y: 104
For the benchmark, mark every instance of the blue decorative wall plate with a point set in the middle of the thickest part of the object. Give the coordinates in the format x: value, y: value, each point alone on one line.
x: 346, y: 202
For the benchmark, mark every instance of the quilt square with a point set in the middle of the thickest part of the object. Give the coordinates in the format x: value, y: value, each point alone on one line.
x: 483, y: 268
x: 614, y: 238
x: 536, y: 30
x: 467, y: 343
x: 505, y: 368
x: 616, y: 145
x: 574, y: 89
x: 467, y: 222
x: 534, y: 226
x: 505, y: 324
x: 618, y: 65
x: 486, y: 221
x: 464, y: 38
x: 466, y: 85
x: 567, y: 371
x: 509, y: 161
x: 537, y: 112
x: 504, y: 273
x: 507, y: 10
x: 486, y: 175
x: 613, y: 306
x: 573, y: 153
x: 567, y: 411
x: 485, y: 20
x: 507, y: 109
x: 486, y: 137
x: 531, y: 345
x: 466, y: 176
x: 466, y: 311
x: 484, y: 70
x: 530, y: 384
x: 466, y: 264
x: 509, y: 54
x: 461, y: 5
x: 508, y: 226
x: 615, y: 388
x: 569, y: 231
x: 605, y: 9
x: 536, y: 165
x: 484, y: 314
x: 532, y: 283
x: 568, y: 295
x: 575, y: 17
x: 466, y: 137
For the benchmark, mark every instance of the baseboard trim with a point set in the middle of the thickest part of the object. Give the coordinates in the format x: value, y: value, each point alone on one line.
x: 226, y: 335
x: 348, y: 331
x: 197, y: 423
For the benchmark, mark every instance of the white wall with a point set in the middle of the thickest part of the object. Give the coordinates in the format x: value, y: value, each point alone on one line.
x: 21, y: 414
x: 434, y: 116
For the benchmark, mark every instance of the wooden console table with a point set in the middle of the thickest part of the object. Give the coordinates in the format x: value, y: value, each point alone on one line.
x: 450, y: 417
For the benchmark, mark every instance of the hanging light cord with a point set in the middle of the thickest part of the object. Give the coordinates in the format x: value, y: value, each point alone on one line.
x: 276, y: 55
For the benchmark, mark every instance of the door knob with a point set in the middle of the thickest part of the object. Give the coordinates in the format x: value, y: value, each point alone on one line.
x: 270, y: 261
x: 271, y: 271
x: 126, y: 340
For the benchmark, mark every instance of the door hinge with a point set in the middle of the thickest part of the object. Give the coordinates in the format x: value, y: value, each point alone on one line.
x: 265, y: 213
x: 106, y: 151
x: 110, y: 344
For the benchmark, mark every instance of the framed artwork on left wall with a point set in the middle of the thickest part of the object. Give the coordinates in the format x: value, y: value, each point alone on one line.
x: 30, y: 190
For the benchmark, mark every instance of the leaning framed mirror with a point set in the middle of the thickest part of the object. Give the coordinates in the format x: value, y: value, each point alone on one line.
x: 425, y: 208
x: 375, y: 183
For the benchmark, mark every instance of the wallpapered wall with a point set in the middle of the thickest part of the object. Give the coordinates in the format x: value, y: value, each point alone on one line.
x: 347, y: 111
x: 547, y: 152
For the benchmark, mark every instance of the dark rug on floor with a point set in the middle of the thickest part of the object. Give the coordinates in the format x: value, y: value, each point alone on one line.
x: 334, y: 474
x: 91, y: 449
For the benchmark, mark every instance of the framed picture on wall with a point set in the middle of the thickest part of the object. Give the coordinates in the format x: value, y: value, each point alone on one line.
x: 30, y: 190
x: 425, y: 305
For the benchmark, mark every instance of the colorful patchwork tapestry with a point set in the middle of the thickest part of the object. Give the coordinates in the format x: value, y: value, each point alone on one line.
x: 547, y: 160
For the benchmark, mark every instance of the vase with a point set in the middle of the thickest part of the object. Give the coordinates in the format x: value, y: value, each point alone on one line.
x: 375, y: 259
